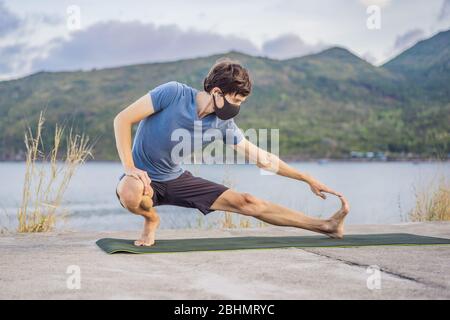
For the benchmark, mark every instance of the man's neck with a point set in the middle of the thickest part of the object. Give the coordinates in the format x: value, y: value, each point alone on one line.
x: 204, y: 104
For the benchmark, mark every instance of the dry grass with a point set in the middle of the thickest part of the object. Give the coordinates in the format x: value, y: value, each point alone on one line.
x: 432, y: 201
x: 45, y: 180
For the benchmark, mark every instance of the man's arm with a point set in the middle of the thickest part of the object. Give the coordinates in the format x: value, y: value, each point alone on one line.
x: 123, y: 123
x: 268, y: 161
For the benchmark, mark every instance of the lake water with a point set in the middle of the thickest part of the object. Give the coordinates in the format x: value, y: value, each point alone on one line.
x: 378, y: 193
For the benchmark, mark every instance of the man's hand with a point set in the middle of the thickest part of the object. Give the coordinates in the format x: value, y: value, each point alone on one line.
x: 319, y: 188
x: 140, y: 175
x: 271, y: 162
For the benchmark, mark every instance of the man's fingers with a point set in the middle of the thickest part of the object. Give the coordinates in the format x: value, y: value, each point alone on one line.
x: 147, y: 183
x: 320, y: 194
x: 144, y: 181
x: 333, y: 192
x: 143, y: 177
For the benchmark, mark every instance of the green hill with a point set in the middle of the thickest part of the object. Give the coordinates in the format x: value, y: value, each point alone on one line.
x: 426, y: 67
x: 325, y: 105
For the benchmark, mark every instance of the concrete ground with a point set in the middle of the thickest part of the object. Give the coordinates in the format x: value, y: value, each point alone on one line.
x: 34, y: 266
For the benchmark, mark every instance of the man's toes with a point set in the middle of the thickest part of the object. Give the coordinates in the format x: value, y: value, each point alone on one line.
x: 344, y: 204
x: 142, y: 243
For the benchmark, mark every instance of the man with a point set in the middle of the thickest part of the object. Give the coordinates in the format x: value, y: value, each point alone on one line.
x: 153, y: 177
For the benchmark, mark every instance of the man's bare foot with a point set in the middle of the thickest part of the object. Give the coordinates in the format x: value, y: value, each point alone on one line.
x: 148, y: 235
x: 334, y: 227
x: 146, y: 240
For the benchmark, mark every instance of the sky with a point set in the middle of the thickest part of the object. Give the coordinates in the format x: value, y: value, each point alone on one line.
x: 60, y: 35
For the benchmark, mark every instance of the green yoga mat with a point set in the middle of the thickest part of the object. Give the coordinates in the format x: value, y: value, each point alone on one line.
x: 238, y: 243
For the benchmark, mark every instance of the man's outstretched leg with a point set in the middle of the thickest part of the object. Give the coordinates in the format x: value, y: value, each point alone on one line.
x: 275, y: 214
x: 130, y: 191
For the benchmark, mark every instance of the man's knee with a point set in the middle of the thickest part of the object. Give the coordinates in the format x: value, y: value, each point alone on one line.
x: 130, y: 200
x: 251, y: 205
x: 131, y: 193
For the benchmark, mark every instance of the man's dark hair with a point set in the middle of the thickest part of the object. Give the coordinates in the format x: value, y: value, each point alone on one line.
x: 230, y: 76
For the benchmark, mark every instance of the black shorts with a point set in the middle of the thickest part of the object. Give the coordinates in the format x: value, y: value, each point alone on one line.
x: 185, y: 191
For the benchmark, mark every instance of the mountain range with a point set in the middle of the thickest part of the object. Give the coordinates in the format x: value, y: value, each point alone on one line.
x: 325, y: 105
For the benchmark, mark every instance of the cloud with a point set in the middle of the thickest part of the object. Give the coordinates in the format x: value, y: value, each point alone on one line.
x: 6, y: 55
x: 50, y: 19
x: 444, y: 13
x: 14, y: 60
x: 289, y: 46
x: 17, y: 46
x: 380, y: 3
x: 369, y: 57
x: 114, y: 43
x: 8, y: 21
x: 408, y: 39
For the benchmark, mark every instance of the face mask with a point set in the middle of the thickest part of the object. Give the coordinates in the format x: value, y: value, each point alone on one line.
x: 228, y: 110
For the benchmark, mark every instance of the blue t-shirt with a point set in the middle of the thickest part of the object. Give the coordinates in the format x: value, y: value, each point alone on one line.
x: 175, y: 108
